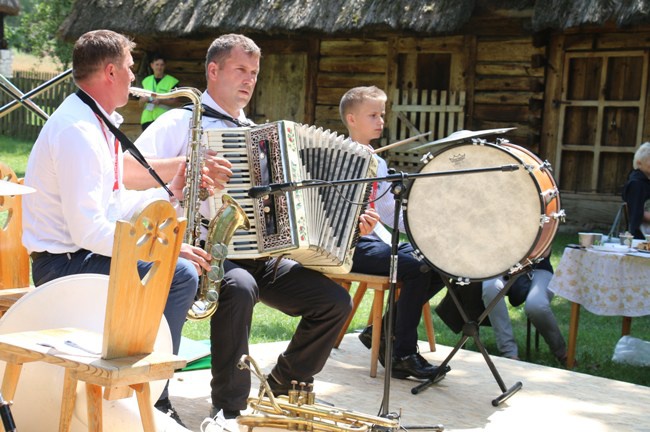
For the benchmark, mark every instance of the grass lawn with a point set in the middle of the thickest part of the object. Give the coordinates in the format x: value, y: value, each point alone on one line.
x: 597, y: 335
x: 15, y: 153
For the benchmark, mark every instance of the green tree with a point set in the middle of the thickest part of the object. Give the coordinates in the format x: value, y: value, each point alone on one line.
x: 37, y: 28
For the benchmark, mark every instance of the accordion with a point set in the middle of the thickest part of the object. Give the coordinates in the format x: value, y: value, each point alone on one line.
x: 316, y: 226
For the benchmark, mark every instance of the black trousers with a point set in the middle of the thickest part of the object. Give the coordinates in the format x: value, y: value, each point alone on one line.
x: 322, y: 305
x: 419, y: 284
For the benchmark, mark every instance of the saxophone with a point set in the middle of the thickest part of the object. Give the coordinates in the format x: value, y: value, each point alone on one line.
x: 228, y: 219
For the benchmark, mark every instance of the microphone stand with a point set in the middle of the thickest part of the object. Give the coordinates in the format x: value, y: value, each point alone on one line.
x: 398, y: 189
x: 5, y: 415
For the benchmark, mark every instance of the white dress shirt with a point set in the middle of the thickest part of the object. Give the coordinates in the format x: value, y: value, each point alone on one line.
x: 77, y: 173
x: 169, y: 135
x: 385, y: 206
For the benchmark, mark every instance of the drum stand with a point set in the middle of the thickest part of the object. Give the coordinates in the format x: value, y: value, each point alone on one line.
x: 398, y: 189
x: 471, y: 329
x: 6, y: 416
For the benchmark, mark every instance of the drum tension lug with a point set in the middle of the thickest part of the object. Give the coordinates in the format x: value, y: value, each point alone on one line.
x: 543, y: 220
x: 515, y: 269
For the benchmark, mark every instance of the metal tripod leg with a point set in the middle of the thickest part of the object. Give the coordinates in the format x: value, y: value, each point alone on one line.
x: 471, y: 329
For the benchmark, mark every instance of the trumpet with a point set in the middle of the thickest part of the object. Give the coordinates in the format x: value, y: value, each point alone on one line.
x: 300, y: 411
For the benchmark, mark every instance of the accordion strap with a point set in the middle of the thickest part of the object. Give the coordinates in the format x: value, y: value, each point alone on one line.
x: 127, y: 145
x: 213, y: 113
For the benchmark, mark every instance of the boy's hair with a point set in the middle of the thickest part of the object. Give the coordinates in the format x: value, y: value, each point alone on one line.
x: 355, y: 96
x: 642, y: 153
x: 97, y: 48
x: 220, y: 48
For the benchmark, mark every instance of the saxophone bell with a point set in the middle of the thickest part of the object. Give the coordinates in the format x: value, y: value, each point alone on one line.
x: 222, y: 227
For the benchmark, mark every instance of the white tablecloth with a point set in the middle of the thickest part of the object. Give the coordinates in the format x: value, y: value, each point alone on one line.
x: 604, y: 283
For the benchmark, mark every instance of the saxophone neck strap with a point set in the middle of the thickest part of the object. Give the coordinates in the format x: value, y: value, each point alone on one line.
x: 213, y: 113
x: 127, y: 145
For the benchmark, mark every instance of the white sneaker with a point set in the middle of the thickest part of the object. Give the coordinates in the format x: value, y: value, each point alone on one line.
x: 219, y: 424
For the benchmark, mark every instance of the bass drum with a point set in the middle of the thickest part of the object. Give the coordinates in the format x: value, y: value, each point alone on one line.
x: 481, y: 225
x: 71, y: 301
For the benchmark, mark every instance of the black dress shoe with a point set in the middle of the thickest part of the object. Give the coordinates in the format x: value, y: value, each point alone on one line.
x: 282, y: 389
x: 416, y: 366
x: 366, y: 339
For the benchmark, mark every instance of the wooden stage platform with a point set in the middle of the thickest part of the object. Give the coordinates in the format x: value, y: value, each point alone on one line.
x: 551, y: 399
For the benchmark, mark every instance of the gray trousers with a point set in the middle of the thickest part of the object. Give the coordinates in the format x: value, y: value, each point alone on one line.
x: 537, y: 308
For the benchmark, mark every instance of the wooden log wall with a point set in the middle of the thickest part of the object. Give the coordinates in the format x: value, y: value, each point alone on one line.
x: 509, y: 88
x: 185, y: 61
x: 343, y: 64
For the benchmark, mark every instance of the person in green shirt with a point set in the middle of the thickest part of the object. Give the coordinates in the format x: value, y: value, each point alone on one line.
x: 157, y: 82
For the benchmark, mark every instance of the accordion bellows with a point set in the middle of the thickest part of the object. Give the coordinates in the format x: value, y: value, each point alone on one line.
x: 316, y: 226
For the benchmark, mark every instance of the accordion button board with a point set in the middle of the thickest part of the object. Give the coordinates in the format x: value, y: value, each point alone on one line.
x: 316, y: 226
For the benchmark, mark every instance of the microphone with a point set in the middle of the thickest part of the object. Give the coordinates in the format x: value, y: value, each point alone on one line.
x: 260, y: 191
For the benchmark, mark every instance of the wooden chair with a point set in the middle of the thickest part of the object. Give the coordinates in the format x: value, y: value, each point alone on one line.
x: 14, y: 260
x: 380, y: 285
x: 133, y: 314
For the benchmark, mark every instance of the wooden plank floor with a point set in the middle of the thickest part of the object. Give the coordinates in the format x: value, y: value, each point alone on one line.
x: 552, y: 399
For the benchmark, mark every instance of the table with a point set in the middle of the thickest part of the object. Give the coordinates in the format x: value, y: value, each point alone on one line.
x: 605, y: 283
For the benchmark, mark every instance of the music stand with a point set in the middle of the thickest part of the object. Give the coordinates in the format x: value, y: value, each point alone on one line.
x: 471, y: 329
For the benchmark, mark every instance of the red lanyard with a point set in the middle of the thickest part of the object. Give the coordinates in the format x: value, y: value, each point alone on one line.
x: 116, y: 185
x: 373, y: 195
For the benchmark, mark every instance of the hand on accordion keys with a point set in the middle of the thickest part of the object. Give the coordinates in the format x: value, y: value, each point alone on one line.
x: 367, y: 221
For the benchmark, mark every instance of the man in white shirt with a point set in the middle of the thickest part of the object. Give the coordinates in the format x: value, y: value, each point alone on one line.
x: 232, y: 65
x: 76, y: 168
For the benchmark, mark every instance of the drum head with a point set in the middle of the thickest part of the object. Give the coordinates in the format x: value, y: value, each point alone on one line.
x: 477, y: 225
x: 72, y: 301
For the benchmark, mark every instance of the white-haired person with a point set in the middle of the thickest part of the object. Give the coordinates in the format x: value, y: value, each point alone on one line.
x: 636, y: 193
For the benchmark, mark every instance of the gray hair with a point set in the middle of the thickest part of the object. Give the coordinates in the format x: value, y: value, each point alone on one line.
x: 642, y: 153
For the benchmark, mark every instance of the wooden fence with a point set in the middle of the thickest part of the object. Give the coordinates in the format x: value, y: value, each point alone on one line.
x: 417, y: 111
x: 22, y: 123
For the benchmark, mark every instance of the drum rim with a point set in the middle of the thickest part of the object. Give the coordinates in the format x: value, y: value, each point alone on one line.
x: 524, y: 262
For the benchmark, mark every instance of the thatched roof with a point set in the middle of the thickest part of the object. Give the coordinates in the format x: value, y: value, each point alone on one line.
x: 9, y: 7
x: 562, y: 14
x: 182, y: 18
x: 200, y: 18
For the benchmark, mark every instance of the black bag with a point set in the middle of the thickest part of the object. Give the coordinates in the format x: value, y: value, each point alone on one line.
x: 470, y: 297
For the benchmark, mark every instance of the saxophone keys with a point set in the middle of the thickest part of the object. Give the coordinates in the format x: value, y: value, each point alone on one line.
x: 203, y: 194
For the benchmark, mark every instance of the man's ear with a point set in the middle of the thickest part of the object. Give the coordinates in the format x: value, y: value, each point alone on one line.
x: 109, y: 71
x: 213, y: 70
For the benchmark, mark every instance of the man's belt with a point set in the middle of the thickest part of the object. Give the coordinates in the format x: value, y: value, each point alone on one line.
x: 36, y: 255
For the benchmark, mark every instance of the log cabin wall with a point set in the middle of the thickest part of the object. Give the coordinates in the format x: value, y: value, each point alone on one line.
x: 343, y: 64
x: 596, y: 114
x: 511, y: 78
x: 509, y: 88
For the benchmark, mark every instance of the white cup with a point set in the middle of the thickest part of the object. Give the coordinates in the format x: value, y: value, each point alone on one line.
x: 626, y: 239
x: 589, y: 239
